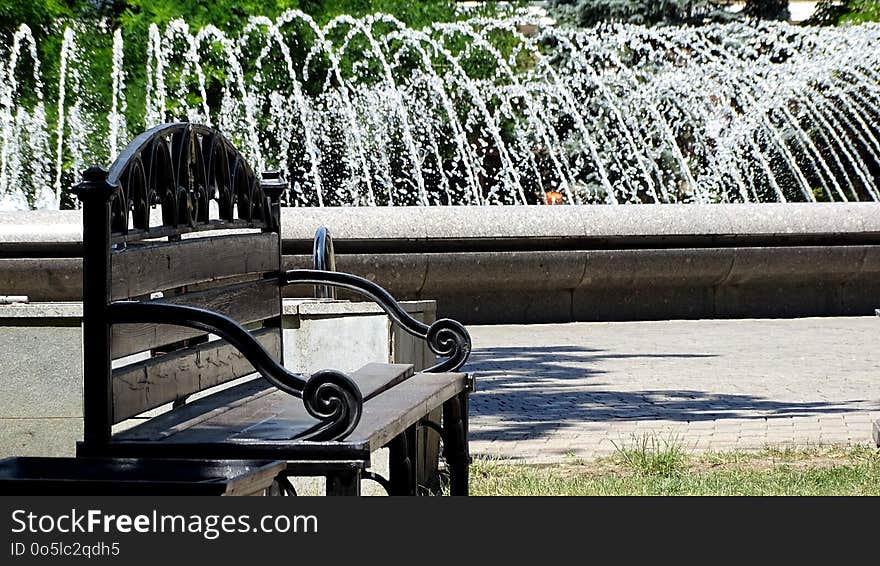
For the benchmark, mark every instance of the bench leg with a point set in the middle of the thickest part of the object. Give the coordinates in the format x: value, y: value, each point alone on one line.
x: 281, y: 486
x: 344, y: 483
x: 455, y: 448
x: 401, y: 464
x: 429, y: 433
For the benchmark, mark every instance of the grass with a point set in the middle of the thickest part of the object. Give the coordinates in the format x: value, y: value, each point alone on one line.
x: 650, y: 466
x: 649, y: 456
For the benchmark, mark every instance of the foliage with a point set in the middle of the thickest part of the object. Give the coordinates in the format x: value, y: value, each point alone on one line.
x: 767, y: 9
x: 38, y: 14
x: 414, y: 13
x: 836, y: 12
x: 46, y: 18
x: 225, y: 14
x: 862, y: 11
x: 651, y: 12
x: 95, y: 20
x: 648, y: 12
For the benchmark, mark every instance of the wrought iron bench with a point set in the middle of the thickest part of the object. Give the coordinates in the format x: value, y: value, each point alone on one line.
x: 176, y: 313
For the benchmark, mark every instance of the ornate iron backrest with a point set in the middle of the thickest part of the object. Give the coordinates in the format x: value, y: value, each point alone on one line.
x: 182, y: 167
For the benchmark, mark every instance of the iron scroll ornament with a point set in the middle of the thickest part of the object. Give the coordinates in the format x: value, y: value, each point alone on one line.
x: 445, y: 337
x: 330, y: 396
x: 182, y: 167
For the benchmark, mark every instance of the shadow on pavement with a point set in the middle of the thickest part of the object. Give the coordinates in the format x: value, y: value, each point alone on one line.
x: 536, y: 390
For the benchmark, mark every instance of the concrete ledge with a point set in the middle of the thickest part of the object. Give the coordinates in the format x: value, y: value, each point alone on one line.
x: 545, y: 264
x: 40, y: 437
x: 319, y: 308
x: 630, y: 284
x: 600, y: 224
x: 597, y: 221
x: 42, y: 279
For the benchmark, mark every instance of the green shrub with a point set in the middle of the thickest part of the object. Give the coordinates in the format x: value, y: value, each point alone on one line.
x: 836, y: 12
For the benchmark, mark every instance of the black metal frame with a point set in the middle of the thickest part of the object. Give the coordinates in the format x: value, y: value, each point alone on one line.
x: 445, y: 337
x: 324, y: 259
x: 182, y: 167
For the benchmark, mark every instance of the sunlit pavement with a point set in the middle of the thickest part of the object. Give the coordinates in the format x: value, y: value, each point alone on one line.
x: 561, y: 391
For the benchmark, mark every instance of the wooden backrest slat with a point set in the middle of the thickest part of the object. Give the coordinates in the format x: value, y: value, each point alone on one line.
x: 243, y: 302
x: 155, y: 232
x: 142, y: 269
x: 154, y: 382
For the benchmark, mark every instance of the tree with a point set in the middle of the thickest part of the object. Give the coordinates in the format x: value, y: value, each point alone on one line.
x: 767, y: 9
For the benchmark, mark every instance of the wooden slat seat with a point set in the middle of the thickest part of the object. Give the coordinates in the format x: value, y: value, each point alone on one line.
x: 253, y: 403
x: 254, y: 419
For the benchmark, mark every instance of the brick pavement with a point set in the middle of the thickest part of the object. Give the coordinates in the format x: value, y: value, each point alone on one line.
x: 551, y: 392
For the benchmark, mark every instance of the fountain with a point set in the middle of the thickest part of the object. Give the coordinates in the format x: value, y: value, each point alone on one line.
x: 366, y: 111
x: 764, y: 141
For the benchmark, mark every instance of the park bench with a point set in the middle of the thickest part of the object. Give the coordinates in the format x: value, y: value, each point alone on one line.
x: 184, y: 311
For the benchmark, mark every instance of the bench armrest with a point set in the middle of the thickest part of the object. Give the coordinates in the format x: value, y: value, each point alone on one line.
x: 445, y: 337
x: 330, y: 396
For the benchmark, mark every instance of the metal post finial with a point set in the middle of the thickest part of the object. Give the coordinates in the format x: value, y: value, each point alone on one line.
x: 273, y: 185
x: 94, y: 183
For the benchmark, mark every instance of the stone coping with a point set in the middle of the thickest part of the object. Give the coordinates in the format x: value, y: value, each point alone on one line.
x: 515, y: 222
x: 290, y: 307
x: 60, y: 309
x: 330, y: 307
x: 596, y: 221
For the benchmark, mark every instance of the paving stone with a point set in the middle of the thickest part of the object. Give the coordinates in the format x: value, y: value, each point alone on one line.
x: 714, y: 384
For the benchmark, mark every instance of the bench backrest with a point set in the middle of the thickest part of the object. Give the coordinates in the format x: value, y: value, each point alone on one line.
x: 212, y: 242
